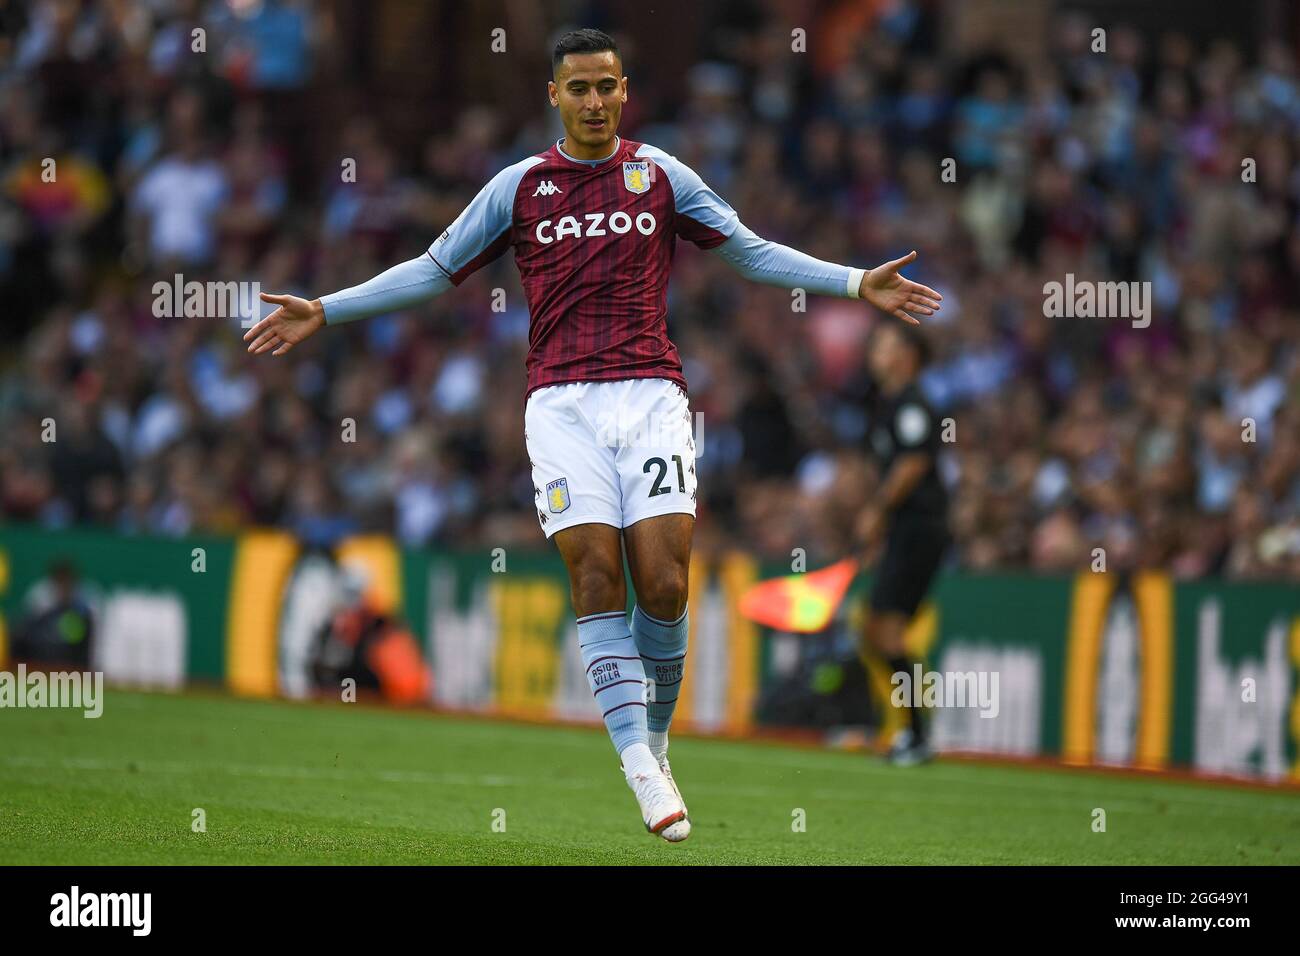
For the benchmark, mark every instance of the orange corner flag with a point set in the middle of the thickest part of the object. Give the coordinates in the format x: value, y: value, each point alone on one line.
x: 803, y: 603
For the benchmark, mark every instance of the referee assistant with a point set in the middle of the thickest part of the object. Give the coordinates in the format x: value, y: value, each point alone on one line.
x: 909, y: 509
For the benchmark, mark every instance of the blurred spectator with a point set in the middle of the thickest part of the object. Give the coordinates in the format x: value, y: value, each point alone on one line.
x: 58, y: 622
x: 1175, y: 445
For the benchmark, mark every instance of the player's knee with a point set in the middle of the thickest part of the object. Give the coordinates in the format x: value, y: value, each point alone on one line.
x: 664, y: 596
x: 598, y: 586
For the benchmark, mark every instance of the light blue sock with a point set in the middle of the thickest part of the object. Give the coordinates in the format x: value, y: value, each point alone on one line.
x: 616, y: 676
x: 662, y: 645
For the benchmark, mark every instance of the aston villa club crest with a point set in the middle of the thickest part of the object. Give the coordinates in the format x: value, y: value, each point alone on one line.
x: 636, y: 176
x: 557, y: 495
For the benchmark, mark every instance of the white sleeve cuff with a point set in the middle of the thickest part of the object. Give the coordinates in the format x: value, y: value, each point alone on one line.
x: 855, y: 281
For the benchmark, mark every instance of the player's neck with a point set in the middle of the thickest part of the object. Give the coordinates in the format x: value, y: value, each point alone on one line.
x: 587, y: 154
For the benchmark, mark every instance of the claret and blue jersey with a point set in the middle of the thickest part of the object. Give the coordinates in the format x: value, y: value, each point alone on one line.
x: 593, y: 241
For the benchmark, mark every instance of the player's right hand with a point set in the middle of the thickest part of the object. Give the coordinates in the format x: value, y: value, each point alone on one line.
x: 294, y: 320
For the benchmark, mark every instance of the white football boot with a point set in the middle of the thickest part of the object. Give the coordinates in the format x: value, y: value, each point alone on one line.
x: 661, y: 806
x: 907, y: 751
x: 675, y: 832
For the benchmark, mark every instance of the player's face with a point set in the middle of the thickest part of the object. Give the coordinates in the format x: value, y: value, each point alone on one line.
x: 887, y: 353
x: 589, y: 90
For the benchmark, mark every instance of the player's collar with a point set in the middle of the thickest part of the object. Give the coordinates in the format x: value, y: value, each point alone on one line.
x: 618, y: 144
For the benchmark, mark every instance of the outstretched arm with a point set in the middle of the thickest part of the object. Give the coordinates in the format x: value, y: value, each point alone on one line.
x: 884, y: 287
x: 479, y: 235
x: 400, y: 287
x: 704, y: 218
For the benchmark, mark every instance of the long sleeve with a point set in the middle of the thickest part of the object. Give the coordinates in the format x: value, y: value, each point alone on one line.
x: 480, y: 234
x: 762, y: 260
x: 400, y: 287
x: 704, y: 218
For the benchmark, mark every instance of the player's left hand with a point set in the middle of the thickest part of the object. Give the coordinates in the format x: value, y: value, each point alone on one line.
x: 889, y: 292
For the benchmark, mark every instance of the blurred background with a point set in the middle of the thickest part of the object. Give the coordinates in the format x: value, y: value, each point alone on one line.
x: 1071, y: 433
x: 198, y: 519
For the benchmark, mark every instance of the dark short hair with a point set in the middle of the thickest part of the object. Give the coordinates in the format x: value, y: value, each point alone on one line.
x: 913, y: 338
x: 586, y: 40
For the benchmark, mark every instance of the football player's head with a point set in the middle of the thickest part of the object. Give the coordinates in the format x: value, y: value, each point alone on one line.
x: 897, y: 351
x: 588, y: 87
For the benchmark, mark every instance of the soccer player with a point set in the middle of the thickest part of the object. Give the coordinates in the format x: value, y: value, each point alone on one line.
x: 909, y: 509
x: 592, y: 222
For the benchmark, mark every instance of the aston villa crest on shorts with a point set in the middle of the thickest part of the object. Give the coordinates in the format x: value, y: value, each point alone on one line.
x: 557, y: 494
x: 636, y: 176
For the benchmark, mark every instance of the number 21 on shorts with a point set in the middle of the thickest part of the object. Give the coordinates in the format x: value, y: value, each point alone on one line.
x: 658, y: 469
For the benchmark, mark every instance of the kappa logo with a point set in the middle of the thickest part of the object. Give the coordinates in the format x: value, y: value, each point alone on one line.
x: 547, y: 188
x: 557, y: 495
x: 636, y: 176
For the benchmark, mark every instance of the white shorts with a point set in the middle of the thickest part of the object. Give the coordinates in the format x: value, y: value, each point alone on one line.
x: 610, y: 452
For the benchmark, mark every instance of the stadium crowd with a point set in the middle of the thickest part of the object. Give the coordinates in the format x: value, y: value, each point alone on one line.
x: 1165, y: 160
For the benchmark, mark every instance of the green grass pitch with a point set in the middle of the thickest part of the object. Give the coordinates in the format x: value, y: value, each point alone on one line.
x: 310, y: 783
